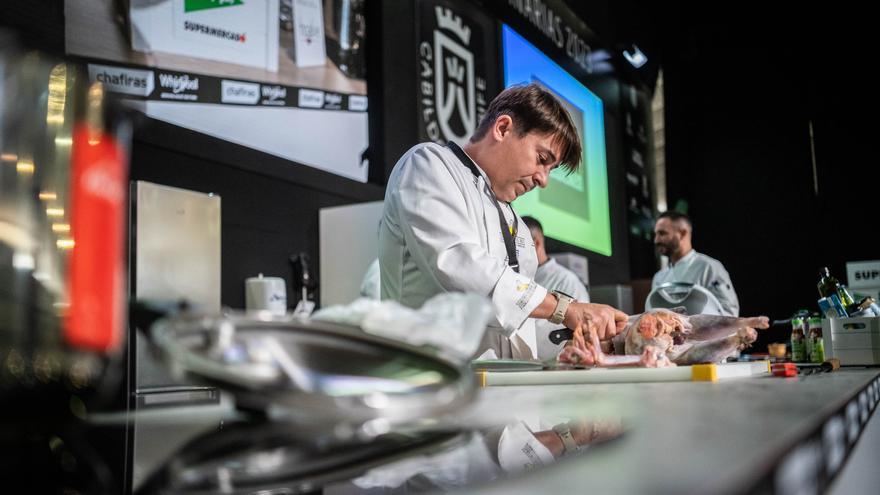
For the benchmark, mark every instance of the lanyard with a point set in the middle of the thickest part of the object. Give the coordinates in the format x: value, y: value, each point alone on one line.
x: 506, y: 233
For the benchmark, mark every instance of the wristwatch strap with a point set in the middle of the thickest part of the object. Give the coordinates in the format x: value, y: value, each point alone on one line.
x: 562, y: 302
x: 564, y: 432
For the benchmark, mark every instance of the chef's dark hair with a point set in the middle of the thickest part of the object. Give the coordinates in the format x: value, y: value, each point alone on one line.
x: 533, y: 224
x: 534, y: 109
x: 677, y: 216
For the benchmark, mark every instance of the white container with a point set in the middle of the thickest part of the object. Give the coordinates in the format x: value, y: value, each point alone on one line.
x: 855, y: 341
x: 266, y: 294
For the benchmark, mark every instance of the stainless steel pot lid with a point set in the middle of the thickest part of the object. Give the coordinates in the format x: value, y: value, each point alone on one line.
x: 315, y: 372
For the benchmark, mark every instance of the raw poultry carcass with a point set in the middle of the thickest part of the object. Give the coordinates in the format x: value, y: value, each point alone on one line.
x: 661, y: 338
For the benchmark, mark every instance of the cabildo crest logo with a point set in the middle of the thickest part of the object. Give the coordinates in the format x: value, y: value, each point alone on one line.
x: 452, y: 96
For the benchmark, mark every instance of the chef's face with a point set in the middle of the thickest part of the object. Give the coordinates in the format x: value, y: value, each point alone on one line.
x: 667, y: 236
x: 525, y: 161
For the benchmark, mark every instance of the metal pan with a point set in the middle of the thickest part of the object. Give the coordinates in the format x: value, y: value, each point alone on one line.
x: 315, y: 372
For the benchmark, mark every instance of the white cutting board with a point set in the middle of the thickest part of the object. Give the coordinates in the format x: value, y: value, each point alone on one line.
x: 697, y: 372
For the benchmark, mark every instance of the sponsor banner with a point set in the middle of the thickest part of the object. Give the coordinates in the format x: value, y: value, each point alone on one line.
x: 308, y: 31
x: 229, y: 31
x: 332, y: 101
x: 552, y: 23
x: 167, y: 85
x: 193, y: 5
x: 177, y: 86
x: 239, y: 92
x: 311, y: 98
x: 357, y: 103
x: 122, y: 79
x: 273, y: 95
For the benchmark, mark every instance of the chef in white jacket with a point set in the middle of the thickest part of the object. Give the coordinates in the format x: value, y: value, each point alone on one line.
x: 447, y: 223
x: 673, y: 234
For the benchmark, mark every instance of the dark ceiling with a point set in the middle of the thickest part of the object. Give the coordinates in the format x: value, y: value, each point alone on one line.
x: 784, y: 41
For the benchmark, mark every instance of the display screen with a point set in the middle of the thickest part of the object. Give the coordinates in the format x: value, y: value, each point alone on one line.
x: 284, y: 77
x: 572, y: 208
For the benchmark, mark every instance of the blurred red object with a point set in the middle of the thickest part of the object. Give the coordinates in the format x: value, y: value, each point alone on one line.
x: 784, y: 369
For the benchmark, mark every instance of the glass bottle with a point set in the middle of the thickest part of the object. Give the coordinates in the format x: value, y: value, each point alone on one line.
x: 846, y: 299
x: 816, y: 342
x: 829, y: 285
x: 798, y: 340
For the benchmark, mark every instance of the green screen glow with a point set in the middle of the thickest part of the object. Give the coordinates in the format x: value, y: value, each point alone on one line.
x: 574, y: 208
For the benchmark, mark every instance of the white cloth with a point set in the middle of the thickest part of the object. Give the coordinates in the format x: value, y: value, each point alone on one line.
x: 440, y: 232
x: 554, y: 276
x: 699, y: 269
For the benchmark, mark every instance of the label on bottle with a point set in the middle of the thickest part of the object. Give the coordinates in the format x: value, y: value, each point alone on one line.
x: 798, y: 341
x: 798, y: 349
x: 817, y: 349
x: 845, y: 297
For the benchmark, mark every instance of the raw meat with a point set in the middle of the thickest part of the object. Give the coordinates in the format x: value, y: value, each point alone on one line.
x: 664, y: 338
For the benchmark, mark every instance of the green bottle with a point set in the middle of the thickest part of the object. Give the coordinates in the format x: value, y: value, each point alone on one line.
x: 829, y: 285
x: 847, y: 299
x: 816, y: 342
x: 798, y: 340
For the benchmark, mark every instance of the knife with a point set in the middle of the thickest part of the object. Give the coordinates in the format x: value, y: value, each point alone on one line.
x: 561, y: 335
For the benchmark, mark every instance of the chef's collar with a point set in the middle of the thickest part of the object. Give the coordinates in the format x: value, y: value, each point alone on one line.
x: 685, y: 259
x: 479, y: 168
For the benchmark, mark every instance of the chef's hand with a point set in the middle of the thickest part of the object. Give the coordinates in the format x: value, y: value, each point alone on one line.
x: 607, y: 321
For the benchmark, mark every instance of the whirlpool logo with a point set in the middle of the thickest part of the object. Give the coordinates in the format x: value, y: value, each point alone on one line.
x: 453, y: 97
x: 178, y: 83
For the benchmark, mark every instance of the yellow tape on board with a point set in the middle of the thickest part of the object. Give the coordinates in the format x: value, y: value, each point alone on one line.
x: 704, y: 373
x: 482, y: 376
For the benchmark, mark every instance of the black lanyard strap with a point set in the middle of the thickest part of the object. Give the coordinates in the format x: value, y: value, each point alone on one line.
x: 506, y: 233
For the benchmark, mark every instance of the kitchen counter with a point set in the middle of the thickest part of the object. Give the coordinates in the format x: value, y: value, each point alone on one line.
x: 758, y: 434
x: 763, y: 434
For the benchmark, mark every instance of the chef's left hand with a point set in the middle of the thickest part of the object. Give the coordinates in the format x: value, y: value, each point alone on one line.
x: 607, y: 321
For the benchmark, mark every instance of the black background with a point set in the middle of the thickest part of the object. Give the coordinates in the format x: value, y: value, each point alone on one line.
x: 743, y: 80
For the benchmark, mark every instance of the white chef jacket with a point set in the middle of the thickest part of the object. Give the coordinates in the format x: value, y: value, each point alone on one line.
x: 440, y: 232
x: 699, y: 269
x: 370, y: 283
x: 554, y: 276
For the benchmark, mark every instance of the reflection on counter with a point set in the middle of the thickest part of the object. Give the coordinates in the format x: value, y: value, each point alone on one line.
x: 248, y: 457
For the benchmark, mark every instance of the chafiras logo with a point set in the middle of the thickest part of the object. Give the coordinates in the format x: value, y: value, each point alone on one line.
x: 122, y: 79
x: 194, y: 5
